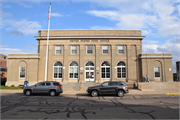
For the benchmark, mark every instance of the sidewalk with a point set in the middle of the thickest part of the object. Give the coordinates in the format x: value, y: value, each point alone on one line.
x: 73, y: 92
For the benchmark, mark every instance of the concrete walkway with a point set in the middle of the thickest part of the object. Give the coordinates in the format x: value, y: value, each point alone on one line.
x: 131, y: 92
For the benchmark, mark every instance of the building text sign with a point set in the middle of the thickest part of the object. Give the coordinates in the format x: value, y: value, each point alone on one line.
x: 94, y: 40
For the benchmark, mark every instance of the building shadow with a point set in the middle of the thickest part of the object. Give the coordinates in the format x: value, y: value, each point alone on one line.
x: 81, y: 106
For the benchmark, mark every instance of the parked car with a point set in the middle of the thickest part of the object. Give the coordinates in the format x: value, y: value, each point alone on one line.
x: 52, y: 88
x: 110, y: 87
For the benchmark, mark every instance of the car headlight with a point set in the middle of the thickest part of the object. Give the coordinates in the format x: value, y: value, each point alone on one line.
x: 89, y: 88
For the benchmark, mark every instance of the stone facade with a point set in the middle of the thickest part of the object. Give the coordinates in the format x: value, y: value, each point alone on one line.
x: 136, y: 64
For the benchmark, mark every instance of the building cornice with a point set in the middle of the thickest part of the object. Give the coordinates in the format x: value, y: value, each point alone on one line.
x: 154, y: 57
x: 90, y: 37
x: 24, y: 57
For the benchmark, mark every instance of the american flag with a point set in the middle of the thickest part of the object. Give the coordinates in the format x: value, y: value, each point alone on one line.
x: 49, y: 11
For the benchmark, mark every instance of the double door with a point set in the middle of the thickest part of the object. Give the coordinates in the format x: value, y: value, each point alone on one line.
x: 89, y: 76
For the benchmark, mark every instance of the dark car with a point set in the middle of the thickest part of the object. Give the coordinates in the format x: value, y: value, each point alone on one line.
x: 111, y: 87
x: 48, y: 87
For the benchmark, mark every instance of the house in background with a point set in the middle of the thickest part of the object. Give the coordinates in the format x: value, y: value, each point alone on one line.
x: 3, y: 69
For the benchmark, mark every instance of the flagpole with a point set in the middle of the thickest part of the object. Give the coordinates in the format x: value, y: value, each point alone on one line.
x: 49, y: 13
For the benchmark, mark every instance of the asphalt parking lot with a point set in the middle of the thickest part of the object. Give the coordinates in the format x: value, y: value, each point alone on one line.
x: 83, y: 106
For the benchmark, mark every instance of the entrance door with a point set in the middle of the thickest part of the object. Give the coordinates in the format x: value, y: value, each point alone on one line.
x: 89, y: 70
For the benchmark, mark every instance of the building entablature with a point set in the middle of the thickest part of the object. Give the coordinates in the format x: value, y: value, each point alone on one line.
x: 88, y: 37
x: 42, y: 33
x: 156, y: 56
x: 23, y: 56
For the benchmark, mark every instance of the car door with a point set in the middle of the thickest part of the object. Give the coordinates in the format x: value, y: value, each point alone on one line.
x: 37, y: 88
x: 45, y: 87
x: 113, y: 88
x: 104, y: 88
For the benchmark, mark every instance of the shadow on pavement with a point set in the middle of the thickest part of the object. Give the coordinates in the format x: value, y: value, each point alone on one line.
x: 82, y: 106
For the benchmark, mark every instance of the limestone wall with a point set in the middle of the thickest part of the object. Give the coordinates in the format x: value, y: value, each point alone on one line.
x: 31, y: 63
x: 90, y: 33
x: 149, y: 61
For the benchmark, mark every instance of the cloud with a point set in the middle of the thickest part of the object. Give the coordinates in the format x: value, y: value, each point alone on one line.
x: 32, y: 45
x: 56, y: 15
x: 6, y: 49
x: 25, y: 5
x: 100, y: 28
x: 24, y: 26
x: 170, y: 46
x: 5, y: 14
x: 15, y: 32
x: 150, y: 41
x: 105, y: 14
x: 5, y: 6
x: 152, y: 17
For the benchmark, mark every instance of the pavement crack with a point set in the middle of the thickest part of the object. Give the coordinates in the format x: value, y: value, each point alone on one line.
x: 133, y: 111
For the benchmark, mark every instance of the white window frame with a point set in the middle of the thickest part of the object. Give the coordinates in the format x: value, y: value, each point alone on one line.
x: 73, y: 70
x: 121, y: 71
x: 103, y: 49
x: 159, y: 72
x: 58, y: 71
x: 76, y: 49
x: 56, y: 49
x: 122, y: 49
x: 19, y: 72
x: 105, y: 71
x: 87, y: 49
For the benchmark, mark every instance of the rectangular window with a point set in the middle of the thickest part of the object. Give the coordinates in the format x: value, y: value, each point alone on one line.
x: 73, y: 49
x: 105, y: 49
x: 121, y: 49
x: 58, y: 49
x: 89, y: 49
x: 0, y: 63
x: 22, y: 71
x: 157, y: 71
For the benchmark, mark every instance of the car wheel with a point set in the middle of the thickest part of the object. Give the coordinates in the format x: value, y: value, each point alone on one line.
x: 52, y: 93
x: 120, y: 93
x: 28, y: 92
x: 94, y: 93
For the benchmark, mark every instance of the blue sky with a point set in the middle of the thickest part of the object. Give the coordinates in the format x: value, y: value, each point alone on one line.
x: 159, y: 21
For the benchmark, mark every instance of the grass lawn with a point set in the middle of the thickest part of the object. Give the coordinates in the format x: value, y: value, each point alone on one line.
x: 12, y: 87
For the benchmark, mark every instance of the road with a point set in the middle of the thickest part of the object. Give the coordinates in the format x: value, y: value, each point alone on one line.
x: 83, y: 106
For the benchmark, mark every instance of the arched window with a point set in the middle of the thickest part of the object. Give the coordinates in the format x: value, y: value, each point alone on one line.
x: 105, y: 70
x: 89, y: 64
x: 73, y: 70
x: 58, y: 70
x: 121, y: 70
